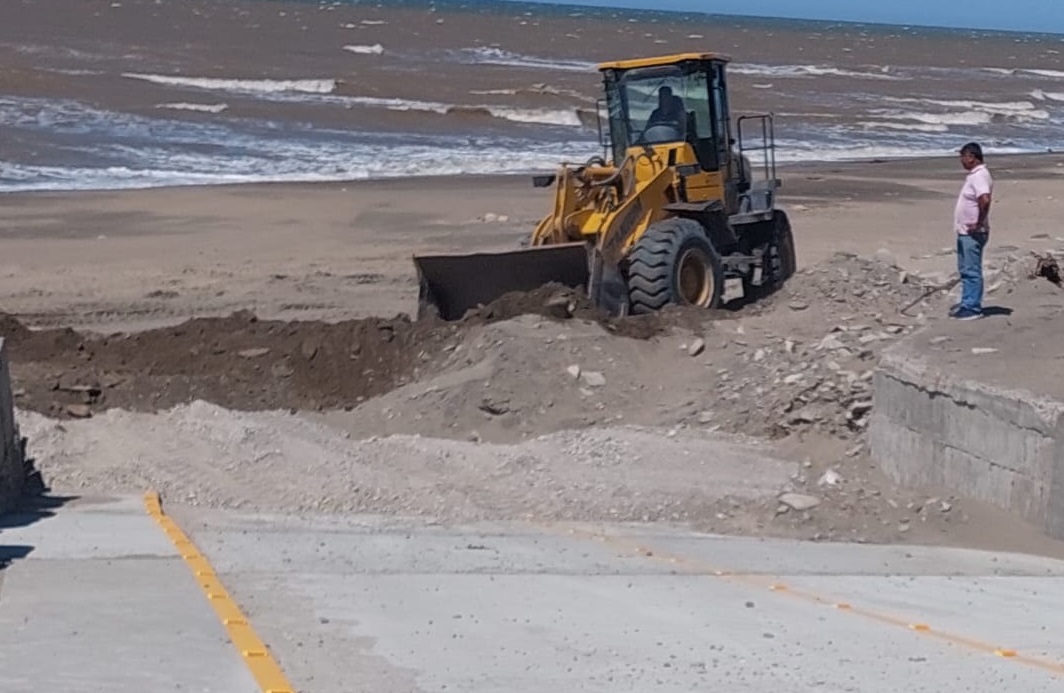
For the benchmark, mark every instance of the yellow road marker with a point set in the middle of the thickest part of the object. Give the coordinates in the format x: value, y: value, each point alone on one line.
x: 697, y: 567
x: 264, y: 668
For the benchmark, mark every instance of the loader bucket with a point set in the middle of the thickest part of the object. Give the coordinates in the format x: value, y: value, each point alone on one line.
x: 452, y: 284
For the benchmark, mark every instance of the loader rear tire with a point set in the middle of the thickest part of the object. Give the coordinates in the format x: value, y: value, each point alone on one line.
x: 779, y: 263
x: 674, y: 262
x: 784, y: 241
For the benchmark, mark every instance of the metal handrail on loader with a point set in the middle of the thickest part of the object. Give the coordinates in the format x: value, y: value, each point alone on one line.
x: 766, y: 187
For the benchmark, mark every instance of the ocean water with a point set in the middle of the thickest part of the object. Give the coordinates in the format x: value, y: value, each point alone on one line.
x: 143, y: 94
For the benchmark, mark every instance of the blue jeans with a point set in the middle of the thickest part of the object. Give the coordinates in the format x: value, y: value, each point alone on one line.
x: 970, y: 267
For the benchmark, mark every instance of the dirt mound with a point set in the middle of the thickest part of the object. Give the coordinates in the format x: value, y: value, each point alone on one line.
x: 562, y: 303
x: 244, y: 363
x: 798, y: 360
x: 12, y: 330
x: 238, y: 361
x: 800, y: 363
x: 519, y: 378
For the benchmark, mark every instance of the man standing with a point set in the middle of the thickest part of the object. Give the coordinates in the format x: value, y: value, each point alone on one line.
x: 972, y: 224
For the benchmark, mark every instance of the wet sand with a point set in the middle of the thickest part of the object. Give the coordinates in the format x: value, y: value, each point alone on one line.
x: 133, y: 259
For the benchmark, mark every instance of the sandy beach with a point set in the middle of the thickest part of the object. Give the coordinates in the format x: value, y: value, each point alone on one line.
x: 122, y: 260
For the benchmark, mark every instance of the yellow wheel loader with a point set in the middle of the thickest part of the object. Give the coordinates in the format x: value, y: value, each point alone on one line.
x: 676, y: 210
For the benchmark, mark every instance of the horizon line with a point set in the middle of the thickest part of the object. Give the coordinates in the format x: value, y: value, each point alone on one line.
x: 576, y: 4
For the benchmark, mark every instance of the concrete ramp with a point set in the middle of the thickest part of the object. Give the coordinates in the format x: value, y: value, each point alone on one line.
x: 95, y: 597
x: 398, y: 605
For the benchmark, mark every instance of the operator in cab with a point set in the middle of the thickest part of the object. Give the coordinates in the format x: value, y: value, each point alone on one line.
x: 670, y: 110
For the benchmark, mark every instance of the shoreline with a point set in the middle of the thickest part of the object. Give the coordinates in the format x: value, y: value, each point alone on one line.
x: 464, y: 180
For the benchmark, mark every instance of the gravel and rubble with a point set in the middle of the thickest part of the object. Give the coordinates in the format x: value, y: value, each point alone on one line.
x: 201, y: 455
x: 534, y: 408
x: 807, y: 361
x: 802, y: 361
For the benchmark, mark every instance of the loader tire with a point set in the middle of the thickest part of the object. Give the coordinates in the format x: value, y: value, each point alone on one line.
x: 780, y: 262
x: 788, y: 258
x: 674, y: 262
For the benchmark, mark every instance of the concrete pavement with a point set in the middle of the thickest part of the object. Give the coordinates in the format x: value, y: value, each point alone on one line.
x: 387, y: 605
x: 96, y: 598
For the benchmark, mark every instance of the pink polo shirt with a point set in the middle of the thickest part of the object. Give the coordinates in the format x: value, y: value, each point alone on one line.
x: 978, y: 183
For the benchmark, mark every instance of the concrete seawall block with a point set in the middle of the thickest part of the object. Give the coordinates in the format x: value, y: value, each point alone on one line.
x: 938, y: 422
x: 12, y: 473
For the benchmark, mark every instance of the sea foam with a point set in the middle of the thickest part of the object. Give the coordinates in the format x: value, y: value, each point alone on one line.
x: 245, y: 86
x: 496, y: 56
x: 807, y: 71
x: 198, y: 107
x: 375, y: 49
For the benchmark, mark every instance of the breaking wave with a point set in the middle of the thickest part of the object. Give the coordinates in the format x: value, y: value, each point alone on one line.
x: 1040, y: 95
x: 375, y: 49
x: 939, y: 119
x: 392, y: 104
x: 1054, y: 74
x: 903, y: 127
x: 240, y: 86
x: 563, y: 117
x: 497, y: 56
x: 131, y: 151
x: 322, y: 91
x: 803, y: 71
x: 198, y: 107
x: 963, y: 112
x: 1037, y: 72
x: 571, y: 117
x: 798, y: 152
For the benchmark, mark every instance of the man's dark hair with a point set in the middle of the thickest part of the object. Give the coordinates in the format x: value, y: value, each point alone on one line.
x: 974, y: 149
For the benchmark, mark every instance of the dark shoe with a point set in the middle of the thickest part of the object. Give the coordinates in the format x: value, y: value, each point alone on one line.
x: 953, y: 309
x: 968, y: 314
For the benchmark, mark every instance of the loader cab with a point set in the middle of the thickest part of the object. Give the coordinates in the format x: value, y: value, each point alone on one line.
x: 668, y: 100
